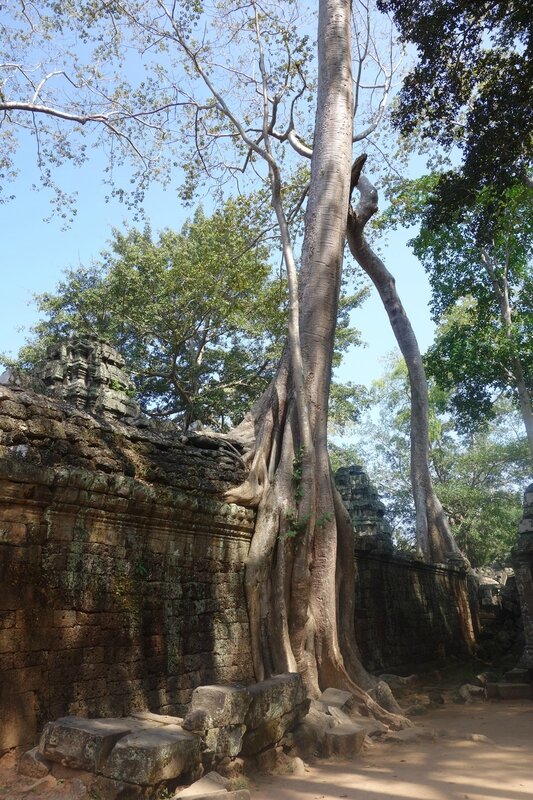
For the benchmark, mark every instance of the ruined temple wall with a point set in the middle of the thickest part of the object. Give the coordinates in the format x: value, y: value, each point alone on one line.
x: 117, y: 592
x: 121, y: 572
x: 409, y: 614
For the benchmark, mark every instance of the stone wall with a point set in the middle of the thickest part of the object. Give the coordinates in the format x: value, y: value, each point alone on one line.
x: 121, y: 571
x: 120, y: 567
x: 409, y: 614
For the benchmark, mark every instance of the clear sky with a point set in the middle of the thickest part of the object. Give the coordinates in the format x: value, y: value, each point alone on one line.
x: 35, y: 252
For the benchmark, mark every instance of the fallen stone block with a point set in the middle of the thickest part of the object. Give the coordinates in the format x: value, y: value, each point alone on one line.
x: 337, y: 698
x: 344, y: 740
x: 518, y: 675
x: 226, y: 741
x: 81, y: 743
x: 217, y: 707
x: 150, y: 756
x: 211, y: 785
x: 278, y: 705
x: 271, y: 731
x: 515, y: 691
x: 273, y: 760
x: 33, y: 764
x: 160, y: 719
x: 274, y: 698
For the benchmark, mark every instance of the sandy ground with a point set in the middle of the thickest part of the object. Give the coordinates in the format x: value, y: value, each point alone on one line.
x: 482, y: 751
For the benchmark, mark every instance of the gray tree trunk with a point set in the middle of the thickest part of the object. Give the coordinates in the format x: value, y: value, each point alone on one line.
x: 433, y: 535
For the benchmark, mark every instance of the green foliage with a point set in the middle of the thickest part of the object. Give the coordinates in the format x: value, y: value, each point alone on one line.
x: 475, y: 259
x: 342, y: 454
x: 472, y: 87
x: 196, y: 314
x: 479, y: 478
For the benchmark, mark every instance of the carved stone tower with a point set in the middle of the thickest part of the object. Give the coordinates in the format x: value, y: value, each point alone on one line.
x: 89, y: 373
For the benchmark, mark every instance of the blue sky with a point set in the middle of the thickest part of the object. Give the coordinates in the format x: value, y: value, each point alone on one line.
x: 35, y: 252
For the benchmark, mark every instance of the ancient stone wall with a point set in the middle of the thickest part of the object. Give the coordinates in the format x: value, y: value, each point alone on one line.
x: 121, y: 571
x: 409, y: 614
x: 120, y: 567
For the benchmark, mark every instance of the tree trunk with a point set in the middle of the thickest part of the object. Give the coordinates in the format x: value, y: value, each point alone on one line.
x: 433, y: 535
x: 301, y: 554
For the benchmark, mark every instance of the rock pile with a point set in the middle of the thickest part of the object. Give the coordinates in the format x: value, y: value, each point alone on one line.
x: 141, y: 755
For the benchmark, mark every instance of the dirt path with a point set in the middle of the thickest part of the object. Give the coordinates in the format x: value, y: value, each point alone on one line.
x: 496, y: 764
x: 482, y: 751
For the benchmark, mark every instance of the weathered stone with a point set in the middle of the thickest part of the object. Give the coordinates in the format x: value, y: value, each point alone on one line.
x: 225, y: 742
x: 150, y: 756
x: 515, y: 691
x: 344, y: 740
x: 109, y: 789
x: 272, y: 730
x: 274, y: 698
x: 33, y: 764
x: 338, y: 698
x: 366, y: 510
x: 210, y: 785
x: 217, y: 707
x: 161, y: 719
x: 231, y: 767
x: 81, y: 743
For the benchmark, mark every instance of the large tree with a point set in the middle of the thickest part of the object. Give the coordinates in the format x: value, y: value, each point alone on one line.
x: 238, y: 111
x: 197, y: 315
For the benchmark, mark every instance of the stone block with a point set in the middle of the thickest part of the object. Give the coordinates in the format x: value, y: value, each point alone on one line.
x: 33, y: 764
x: 153, y: 755
x: 272, y: 760
x: 109, y: 789
x: 161, y: 719
x: 225, y: 741
x: 518, y: 675
x: 211, y: 785
x: 272, y: 730
x: 337, y: 698
x: 492, y: 691
x: 82, y: 743
x: 343, y: 741
x: 274, y: 698
x: 217, y: 707
x: 515, y: 691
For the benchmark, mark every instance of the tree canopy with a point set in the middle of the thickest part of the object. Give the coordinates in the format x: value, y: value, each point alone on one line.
x: 472, y: 87
x: 197, y: 315
x: 482, y: 291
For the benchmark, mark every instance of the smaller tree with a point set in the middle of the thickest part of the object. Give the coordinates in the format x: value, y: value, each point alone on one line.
x: 197, y: 315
